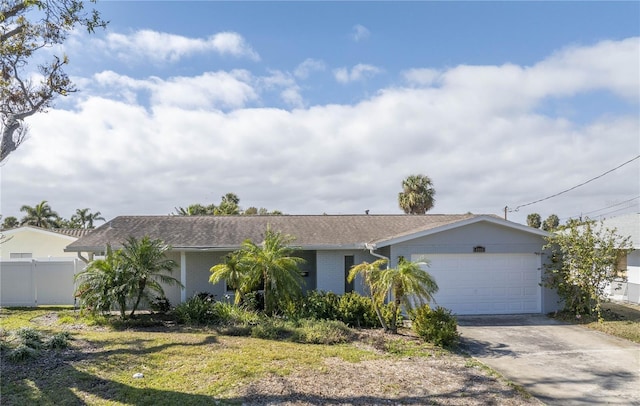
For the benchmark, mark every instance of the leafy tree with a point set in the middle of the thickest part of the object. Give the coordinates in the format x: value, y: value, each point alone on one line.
x: 370, y: 273
x: 408, y: 284
x: 274, y: 264
x: 147, y: 266
x: 10, y: 222
x: 26, y: 27
x: 84, y: 218
x: 40, y: 215
x: 103, y: 284
x: 418, y: 194
x: 583, y: 261
x: 534, y: 220
x: 551, y: 223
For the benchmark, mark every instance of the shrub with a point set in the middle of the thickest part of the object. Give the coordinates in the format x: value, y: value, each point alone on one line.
x: 271, y: 329
x: 59, y: 341
x: 435, y: 326
x: 311, y: 331
x: 22, y: 352
x: 229, y: 314
x: 253, y: 301
x: 321, y: 305
x: 160, y: 304
x: 197, y: 310
x: 30, y: 337
x: 357, y: 311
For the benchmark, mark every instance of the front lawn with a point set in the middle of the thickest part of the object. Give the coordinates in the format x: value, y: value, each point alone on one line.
x: 200, y: 366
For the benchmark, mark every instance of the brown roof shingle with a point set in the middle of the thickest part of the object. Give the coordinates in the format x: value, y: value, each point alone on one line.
x: 202, y: 232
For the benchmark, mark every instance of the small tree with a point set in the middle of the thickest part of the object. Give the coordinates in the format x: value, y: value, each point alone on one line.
x: 232, y: 272
x: 147, y: 266
x: 102, y: 285
x: 534, y: 220
x: 408, y: 284
x: 274, y: 264
x: 370, y: 273
x: 583, y: 261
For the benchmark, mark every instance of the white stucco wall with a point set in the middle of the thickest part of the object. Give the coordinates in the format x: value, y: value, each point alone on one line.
x: 41, y: 244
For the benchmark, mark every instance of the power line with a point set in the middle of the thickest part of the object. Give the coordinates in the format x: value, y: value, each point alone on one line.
x: 576, y: 186
x: 586, y: 214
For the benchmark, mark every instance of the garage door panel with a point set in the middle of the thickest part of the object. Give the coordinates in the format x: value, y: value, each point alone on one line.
x: 486, y: 283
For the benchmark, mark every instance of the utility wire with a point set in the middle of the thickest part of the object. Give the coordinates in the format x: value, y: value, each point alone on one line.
x: 576, y: 186
x: 604, y: 208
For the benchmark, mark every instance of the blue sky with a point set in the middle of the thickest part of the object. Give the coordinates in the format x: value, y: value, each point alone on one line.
x: 324, y: 107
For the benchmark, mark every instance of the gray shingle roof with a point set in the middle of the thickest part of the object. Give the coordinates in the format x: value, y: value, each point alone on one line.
x: 210, y: 232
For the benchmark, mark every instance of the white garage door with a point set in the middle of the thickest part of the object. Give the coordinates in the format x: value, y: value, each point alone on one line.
x: 486, y: 283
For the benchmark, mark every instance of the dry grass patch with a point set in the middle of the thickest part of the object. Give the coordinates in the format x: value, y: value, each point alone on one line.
x: 201, y: 367
x: 619, y: 319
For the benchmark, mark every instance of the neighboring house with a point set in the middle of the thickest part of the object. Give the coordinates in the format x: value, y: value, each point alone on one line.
x: 30, y: 242
x: 35, y: 269
x: 628, y: 226
x: 482, y: 263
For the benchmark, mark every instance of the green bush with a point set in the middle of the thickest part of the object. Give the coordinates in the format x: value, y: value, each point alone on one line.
x: 357, y: 311
x: 435, y: 326
x: 230, y: 314
x: 329, y: 332
x: 22, y: 352
x: 320, y: 305
x: 30, y: 337
x: 59, y: 341
x: 199, y: 309
x: 272, y: 329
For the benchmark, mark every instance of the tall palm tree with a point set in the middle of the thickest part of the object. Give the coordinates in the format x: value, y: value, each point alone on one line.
x: 273, y: 263
x: 370, y: 273
x: 40, y: 215
x: 409, y: 285
x: 233, y: 273
x: 85, y: 218
x: 418, y: 194
x: 145, y: 261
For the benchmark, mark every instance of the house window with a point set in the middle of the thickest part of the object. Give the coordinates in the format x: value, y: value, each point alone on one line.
x: 20, y: 255
x: 479, y: 248
x: 348, y: 264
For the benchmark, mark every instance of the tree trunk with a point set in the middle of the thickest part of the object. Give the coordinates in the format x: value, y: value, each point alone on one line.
x: 8, y: 144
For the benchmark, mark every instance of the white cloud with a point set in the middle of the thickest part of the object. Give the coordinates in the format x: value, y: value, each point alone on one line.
x: 475, y: 130
x: 309, y: 65
x: 359, y: 33
x: 165, y: 47
x: 357, y: 73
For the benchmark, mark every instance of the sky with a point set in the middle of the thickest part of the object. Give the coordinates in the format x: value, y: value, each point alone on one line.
x: 325, y: 107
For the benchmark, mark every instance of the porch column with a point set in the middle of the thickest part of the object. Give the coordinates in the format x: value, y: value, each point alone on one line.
x: 183, y: 276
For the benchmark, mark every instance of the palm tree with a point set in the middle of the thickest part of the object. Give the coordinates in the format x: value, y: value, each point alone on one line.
x: 418, y: 194
x: 370, y: 273
x: 85, y: 218
x: 273, y: 263
x: 40, y: 215
x: 103, y: 284
x: 146, y: 263
x: 231, y: 271
x: 228, y: 205
x: 409, y: 284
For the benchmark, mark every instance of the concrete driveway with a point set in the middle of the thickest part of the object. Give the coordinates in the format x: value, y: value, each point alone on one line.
x: 558, y: 363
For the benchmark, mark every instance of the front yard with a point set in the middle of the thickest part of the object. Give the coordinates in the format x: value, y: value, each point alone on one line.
x: 199, y: 366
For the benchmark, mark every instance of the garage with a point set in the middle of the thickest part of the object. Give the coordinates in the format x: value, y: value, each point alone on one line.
x: 483, y: 283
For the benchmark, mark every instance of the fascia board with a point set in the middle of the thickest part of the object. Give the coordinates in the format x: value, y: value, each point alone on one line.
x: 462, y: 223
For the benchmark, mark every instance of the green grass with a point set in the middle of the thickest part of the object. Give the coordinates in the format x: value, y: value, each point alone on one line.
x: 190, y: 366
x: 620, y: 320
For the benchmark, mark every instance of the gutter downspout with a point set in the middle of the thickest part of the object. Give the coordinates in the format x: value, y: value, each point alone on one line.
x: 371, y: 248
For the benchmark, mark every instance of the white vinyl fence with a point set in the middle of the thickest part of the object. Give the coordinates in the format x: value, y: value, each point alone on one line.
x: 38, y: 282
